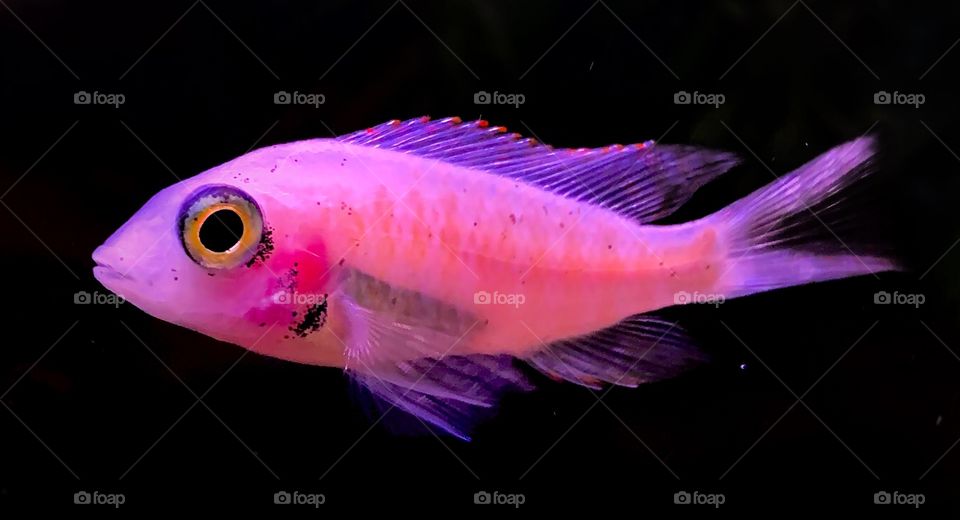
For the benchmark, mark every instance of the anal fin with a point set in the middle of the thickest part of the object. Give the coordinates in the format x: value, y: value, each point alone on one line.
x: 639, y: 349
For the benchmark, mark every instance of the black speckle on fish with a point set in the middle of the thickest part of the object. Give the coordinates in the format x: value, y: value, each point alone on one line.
x: 264, y: 248
x: 314, y: 318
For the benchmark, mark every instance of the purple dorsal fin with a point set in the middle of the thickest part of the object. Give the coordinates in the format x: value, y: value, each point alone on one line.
x: 645, y: 181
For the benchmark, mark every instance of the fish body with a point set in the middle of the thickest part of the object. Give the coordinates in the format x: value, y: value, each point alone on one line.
x: 425, y: 257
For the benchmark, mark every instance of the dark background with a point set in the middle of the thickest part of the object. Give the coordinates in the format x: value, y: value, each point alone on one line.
x: 884, y: 415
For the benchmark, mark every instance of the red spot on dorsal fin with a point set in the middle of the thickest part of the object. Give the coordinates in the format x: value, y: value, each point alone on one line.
x: 456, y: 120
x: 370, y: 130
x: 425, y: 119
x: 483, y: 123
x: 394, y: 122
x: 500, y: 129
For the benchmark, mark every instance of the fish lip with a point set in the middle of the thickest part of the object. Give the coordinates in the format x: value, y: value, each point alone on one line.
x: 106, y: 271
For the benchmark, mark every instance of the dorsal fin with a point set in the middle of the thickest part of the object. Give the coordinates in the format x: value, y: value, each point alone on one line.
x: 644, y: 181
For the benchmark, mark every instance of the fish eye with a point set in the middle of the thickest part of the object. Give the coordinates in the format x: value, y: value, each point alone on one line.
x: 220, y: 227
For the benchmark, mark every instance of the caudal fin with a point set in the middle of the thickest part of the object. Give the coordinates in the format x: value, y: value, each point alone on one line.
x: 788, y: 232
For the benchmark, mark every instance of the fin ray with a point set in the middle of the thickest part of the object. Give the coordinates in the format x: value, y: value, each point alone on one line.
x: 643, y: 181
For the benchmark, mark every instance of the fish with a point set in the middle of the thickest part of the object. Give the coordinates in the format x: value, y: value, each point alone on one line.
x: 443, y: 263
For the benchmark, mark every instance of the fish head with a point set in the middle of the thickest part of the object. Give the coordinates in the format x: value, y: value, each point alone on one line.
x: 227, y: 253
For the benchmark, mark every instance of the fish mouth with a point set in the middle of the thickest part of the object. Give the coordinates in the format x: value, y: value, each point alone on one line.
x: 103, y: 271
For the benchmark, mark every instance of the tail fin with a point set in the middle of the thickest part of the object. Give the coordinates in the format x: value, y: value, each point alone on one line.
x: 786, y: 233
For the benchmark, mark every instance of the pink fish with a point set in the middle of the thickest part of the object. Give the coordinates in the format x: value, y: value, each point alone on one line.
x: 425, y: 258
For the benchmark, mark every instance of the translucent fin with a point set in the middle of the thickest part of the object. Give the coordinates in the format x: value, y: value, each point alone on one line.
x: 640, y: 349
x: 454, y: 393
x: 413, y: 364
x: 644, y: 181
x: 801, y: 228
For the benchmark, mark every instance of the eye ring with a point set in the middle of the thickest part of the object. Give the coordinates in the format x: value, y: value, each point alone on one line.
x: 197, y: 212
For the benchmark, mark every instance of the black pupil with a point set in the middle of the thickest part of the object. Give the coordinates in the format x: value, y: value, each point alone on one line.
x: 221, y: 230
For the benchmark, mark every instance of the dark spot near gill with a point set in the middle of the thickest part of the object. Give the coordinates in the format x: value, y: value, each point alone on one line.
x: 474, y: 224
x: 313, y: 319
x: 513, y: 218
x: 340, y: 262
x: 211, y: 274
x: 273, y: 169
x: 708, y: 267
x: 609, y: 246
x: 393, y: 301
x: 264, y: 248
x: 175, y: 278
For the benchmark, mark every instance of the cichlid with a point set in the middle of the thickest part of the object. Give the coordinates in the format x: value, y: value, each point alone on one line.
x: 425, y: 258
